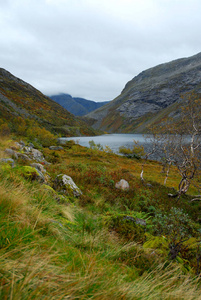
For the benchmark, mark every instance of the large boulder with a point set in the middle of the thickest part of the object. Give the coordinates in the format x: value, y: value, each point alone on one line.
x: 65, y: 184
x: 122, y: 185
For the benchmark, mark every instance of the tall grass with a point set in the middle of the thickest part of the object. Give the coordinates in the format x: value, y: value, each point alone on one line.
x: 50, y: 250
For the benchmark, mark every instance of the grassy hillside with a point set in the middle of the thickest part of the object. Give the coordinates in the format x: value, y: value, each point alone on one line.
x: 23, y: 108
x: 54, y: 245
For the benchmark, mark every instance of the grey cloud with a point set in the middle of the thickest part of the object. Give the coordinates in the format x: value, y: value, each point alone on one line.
x: 90, y: 50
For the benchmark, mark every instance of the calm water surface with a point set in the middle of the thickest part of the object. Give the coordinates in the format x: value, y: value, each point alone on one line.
x: 114, y: 141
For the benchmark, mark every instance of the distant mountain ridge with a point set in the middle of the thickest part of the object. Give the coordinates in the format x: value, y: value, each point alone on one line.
x: 151, y: 95
x: 75, y: 105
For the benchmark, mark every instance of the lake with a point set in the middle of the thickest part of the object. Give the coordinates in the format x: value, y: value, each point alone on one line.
x: 114, y: 141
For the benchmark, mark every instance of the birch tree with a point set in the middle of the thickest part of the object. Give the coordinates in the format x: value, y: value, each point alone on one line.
x: 180, y: 143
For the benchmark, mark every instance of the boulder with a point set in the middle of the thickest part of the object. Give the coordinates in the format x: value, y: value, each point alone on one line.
x: 39, y: 167
x: 31, y: 145
x: 12, y: 153
x: 23, y: 156
x: 37, y: 155
x: 66, y: 185
x: 32, y: 173
x: 42, y: 172
x: 9, y: 161
x: 122, y: 185
x: 22, y: 143
x: 17, y: 146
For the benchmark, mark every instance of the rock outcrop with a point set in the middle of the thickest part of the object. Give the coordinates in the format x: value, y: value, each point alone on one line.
x: 65, y: 184
x: 153, y: 91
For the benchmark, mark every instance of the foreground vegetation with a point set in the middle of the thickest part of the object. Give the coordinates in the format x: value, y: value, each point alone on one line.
x: 57, y: 246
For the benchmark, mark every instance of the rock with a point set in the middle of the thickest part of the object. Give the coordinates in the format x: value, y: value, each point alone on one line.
x: 9, y: 161
x: 31, y: 145
x: 129, y: 218
x: 66, y: 185
x: 17, y: 146
x: 56, y: 148
x: 12, y: 153
x: 122, y: 185
x: 140, y: 222
x: 27, y: 149
x: 22, y: 143
x: 23, y: 156
x: 150, y: 92
x: 135, y: 220
x: 32, y: 173
x: 37, y: 155
x: 39, y: 167
x: 42, y: 172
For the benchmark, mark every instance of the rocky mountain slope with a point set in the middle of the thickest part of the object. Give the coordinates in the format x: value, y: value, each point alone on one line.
x: 21, y: 101
x: 77, y: 106
x: 148, y: 97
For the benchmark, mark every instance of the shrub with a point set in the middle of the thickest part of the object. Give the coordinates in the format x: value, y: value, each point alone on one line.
x: 136, y: 152
x: 174, y: 224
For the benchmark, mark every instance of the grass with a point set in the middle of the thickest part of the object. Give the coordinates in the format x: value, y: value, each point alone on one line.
x: 75, y: 249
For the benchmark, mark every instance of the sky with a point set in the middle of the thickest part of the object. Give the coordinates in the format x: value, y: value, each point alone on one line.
x: 92, y: 48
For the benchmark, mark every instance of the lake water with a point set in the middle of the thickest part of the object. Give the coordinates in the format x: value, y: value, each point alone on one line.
x: 114, y: 141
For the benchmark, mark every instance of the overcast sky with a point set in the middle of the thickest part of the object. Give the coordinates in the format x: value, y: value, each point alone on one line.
x: 92, y: 48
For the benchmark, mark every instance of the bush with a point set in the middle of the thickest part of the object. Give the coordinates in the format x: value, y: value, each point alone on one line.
x: 136, y: 152
x: 174, y: 224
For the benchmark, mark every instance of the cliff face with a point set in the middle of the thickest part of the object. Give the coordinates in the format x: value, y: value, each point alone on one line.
x: 20, y: 99
x: 146, y: 96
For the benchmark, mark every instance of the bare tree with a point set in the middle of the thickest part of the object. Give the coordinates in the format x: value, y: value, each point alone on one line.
x: 179, y: 141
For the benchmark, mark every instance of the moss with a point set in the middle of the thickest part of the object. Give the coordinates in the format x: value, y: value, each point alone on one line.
x: 49, y: 189
x: 6, y: 166
x: 29, y: 172
x: 157, y: 242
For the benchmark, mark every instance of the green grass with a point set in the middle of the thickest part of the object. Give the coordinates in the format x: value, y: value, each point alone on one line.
x: 84, y: 248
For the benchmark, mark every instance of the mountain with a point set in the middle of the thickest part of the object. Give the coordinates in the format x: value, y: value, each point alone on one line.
x: 150, y: 96
x: 21, y: 102
x: 77, y: 106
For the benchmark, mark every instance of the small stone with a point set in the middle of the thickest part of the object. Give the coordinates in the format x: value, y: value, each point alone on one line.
x: 56, y: 148
x: 122, y: 185
x: 140, y: 222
